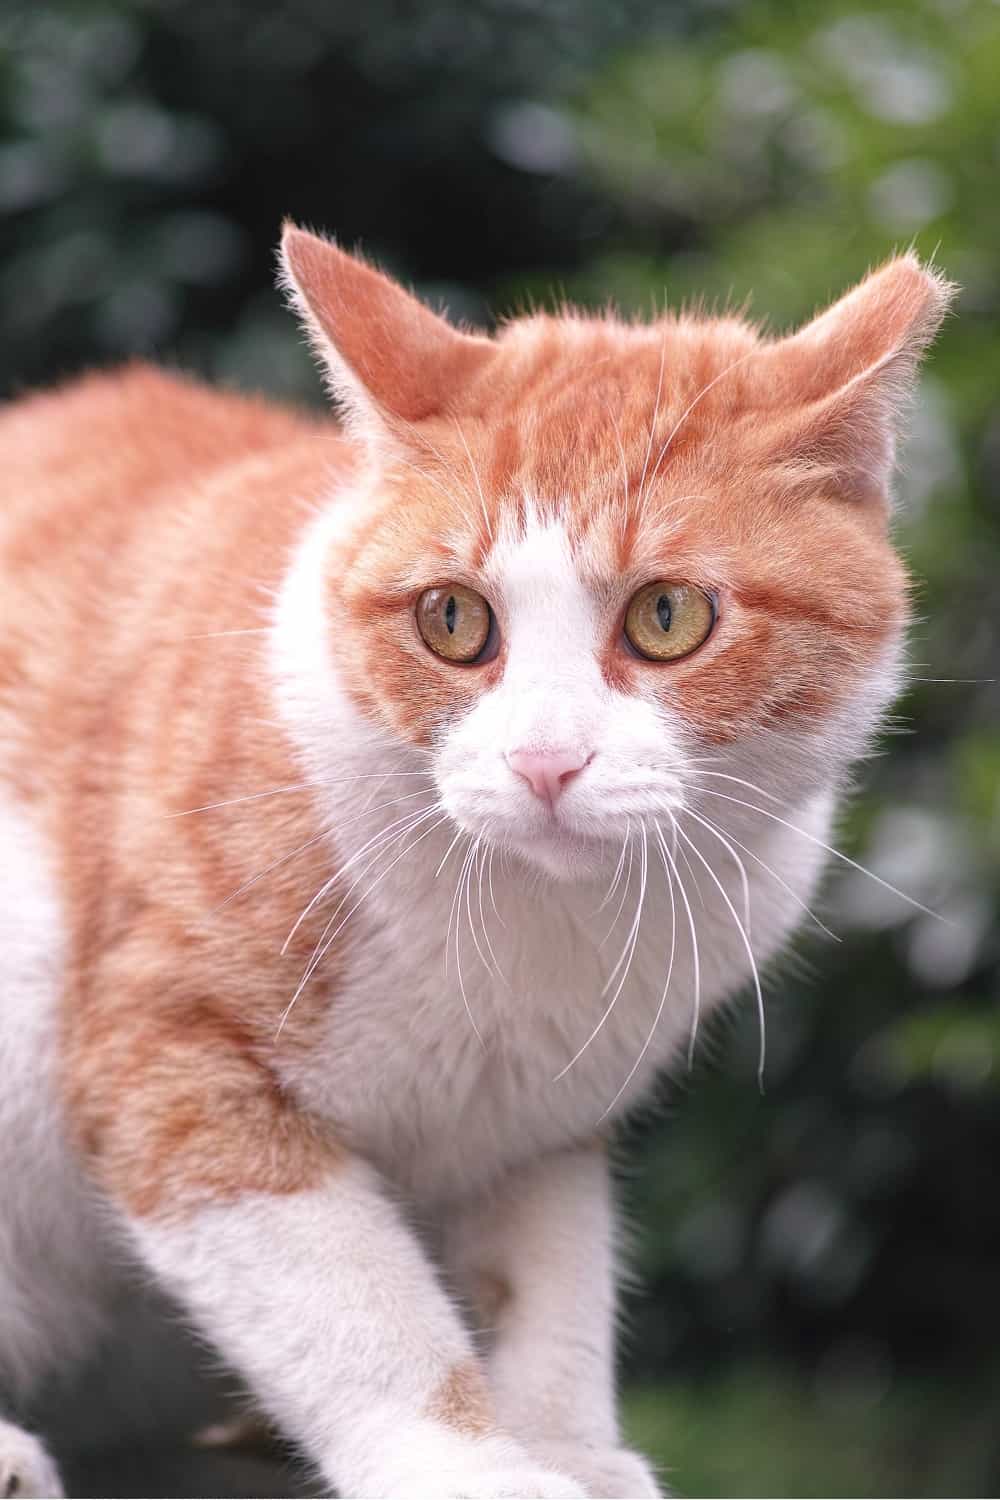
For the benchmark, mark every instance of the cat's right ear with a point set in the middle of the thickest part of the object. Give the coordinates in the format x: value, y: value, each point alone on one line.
x: 389, y: 360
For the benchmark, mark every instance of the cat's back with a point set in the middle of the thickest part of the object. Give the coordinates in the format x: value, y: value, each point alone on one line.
x: 109, y: 438
x: 116, y: 486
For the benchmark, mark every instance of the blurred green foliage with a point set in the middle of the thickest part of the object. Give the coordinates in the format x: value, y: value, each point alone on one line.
x: 845, y: 1225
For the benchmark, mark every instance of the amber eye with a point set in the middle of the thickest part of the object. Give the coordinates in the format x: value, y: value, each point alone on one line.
x: 455, y: 622
x: 668, y: 620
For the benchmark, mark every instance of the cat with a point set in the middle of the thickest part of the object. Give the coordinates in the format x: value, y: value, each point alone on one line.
x: 384, y: 804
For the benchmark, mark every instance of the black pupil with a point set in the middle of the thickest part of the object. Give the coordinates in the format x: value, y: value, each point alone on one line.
x: 663, y: 613
x: 450, y: 611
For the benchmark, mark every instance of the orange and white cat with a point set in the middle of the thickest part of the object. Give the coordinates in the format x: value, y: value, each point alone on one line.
x: 328, y: 758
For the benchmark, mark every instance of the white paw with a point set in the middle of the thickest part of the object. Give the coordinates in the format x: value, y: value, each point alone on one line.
x: 26, y: 1470
x: 432, y: 1462
x: 610, y: 1473
x: 528, y: 1483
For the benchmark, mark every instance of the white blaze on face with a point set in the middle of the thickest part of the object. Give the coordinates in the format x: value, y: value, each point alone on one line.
x: 553, y: 699
x: 553, y: 691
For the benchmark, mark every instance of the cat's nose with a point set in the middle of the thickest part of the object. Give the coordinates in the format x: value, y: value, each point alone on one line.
x: 547, y: 772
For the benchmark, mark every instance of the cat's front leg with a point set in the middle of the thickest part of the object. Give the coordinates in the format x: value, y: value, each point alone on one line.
x: 295, y: 1262
x: 536, y: 1257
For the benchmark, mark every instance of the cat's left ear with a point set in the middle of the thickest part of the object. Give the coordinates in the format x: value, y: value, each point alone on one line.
x: 390, y: 361
x: 843, y: 382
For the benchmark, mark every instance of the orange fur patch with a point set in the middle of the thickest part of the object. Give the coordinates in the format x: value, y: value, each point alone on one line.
x: 463, y: 1402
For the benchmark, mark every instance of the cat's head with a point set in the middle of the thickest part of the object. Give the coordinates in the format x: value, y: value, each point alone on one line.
x: 594, y: 562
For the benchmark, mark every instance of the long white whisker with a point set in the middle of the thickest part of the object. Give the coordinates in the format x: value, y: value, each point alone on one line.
x: 741, y: 781
x: 461, y: 834
x: 696, y: 1012
x: 249, y: 884
x: 746, y: 943
x: 489, y: 877
x: 713, y: 829
x: 456, y: 910
x: 209, y: 635
x: 690, y: 408
x: 812, y: 839
x: 377, y: 838
x: 630, y: 946
x: 609, y: 893
x: 682, y: 854
x: 609, y: 982
x: 482, y: 915
x: 624, y: 897
x: 382, y: 846
x: 475, y: 475
x: 474, y: 866
x: 624, y: 463
x: 663, y: 997
x: 741, y: 867
x: 299, y: 786
x: 449, y: 494
x: 318, y: 957
x: 656, y: 417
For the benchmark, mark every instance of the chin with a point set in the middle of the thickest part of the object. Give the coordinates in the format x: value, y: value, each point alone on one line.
x: 563, y: 855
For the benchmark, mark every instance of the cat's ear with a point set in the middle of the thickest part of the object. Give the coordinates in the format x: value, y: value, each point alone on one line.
x: 389, y: 360
x: 845, y: 379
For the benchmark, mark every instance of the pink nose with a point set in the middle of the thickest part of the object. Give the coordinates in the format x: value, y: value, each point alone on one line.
x: 547, y: 771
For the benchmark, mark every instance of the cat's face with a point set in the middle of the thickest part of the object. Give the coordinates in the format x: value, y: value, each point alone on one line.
x: 598, y: 564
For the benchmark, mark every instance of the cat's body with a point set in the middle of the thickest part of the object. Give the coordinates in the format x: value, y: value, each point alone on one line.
x: 192, y: 586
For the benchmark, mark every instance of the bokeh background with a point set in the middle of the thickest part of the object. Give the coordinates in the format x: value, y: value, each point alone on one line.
x: 819, y: 1310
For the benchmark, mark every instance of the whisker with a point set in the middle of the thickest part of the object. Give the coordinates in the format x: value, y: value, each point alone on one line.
x: 682, y: 854
x: 482, y: 916
x: 489, y: 876
x: 663, y: 997
x: 746, y: 943
x: 474, y: 865
x: 624, y: 463
x: 711, y: 827
x: 475, y: 475
x: 630, y: 946
x: 211, y: 635
x: 376, y: 839
x: 696, y: 1011
x: 323, y: 833
x: 656, y: 417
x: 317, y: 958
x: 459, y: 835
x: 624, y: 897
x: 609, y: 893
x: 689, y: 409
x: 248, y: 884
x: 812, y: 839
x: 299, y: 786
x: 741, y: 781
x: 456, y: 908
x: 741, y: 867
x: 382, y: 846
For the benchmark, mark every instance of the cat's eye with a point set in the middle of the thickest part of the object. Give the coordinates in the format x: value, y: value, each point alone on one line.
x: 455, y: 622
x: 666, y: 621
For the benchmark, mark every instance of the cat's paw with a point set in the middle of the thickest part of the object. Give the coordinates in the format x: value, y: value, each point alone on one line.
x: 430, y: 1462
x: 521, y: 1483
x: 26, y: 1470
x: 610, y: 1473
